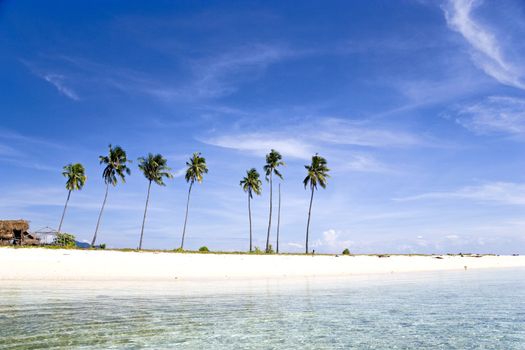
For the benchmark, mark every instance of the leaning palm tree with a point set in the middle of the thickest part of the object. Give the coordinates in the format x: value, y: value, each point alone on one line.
x: 251, y: 184
x: 317, y: 175
x: 278, y: 220
x: 196, y: 168
x: 116, y: 168
x: 154, y: 168
x: 76, y: 178
x: 273, y: 160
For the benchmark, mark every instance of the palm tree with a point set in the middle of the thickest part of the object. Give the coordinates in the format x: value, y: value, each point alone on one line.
x: 278, y: 220
x: 154, y: 168
x: 317, y: 175
x: 115, y: 168
x: 76, y: 178
x: 196, y: 168
x: 251, y: 184
x: 273, y: 160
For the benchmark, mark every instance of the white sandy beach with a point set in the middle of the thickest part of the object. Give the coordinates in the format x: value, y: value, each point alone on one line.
x: 50, y: 264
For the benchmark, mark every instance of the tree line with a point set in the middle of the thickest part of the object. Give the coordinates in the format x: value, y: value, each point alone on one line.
x: 155, y: 169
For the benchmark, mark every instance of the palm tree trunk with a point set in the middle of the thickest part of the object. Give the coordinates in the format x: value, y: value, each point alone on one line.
x: 270, y: 219
x: 250, y: 218
x: 308, y: 224
x: 278, y: 220
x: 64, y: 212
x: 186, y: 218
x: 144, y: 218
x: 100, y: 216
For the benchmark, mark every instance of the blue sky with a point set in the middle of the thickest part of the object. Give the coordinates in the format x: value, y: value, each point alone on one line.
x: 418, y: 106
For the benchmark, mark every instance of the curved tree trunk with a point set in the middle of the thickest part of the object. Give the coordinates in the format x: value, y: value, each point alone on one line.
x: 100, y: 216
x: 278, y: 220
x: 308, y: 224
x: 64, y: 212
x: 250, y: 219
x: 270, y: 219
x: 144, y: 218
x: 186, y: 217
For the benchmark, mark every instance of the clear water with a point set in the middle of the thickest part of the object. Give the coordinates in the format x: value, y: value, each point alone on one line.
x: 453, y: 310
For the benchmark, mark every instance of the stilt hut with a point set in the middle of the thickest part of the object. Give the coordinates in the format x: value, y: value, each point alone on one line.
x: 16, y: 232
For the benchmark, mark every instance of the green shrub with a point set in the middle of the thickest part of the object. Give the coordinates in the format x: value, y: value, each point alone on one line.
x: 102, y: 246
x: 346, y: 252
x: 257, y: 250
x: 64, y: 240
x: 178, y: 250
x: 270, y: 249
x: 204, y: 249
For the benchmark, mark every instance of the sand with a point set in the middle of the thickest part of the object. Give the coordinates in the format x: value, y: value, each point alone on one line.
x: 61, y: 264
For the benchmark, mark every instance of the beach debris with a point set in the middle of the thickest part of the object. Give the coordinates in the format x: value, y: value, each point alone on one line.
x: 383, y: 256
x: 438, y: 257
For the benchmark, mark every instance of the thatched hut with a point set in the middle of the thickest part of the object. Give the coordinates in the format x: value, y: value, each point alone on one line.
x: 16, y: 232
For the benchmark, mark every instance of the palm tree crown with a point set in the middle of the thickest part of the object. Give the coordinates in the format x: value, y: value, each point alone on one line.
x: 317, y: 173
x: 155, y: 168
x: 196, y: 168
x: 76, y: 177
x: 251, y: 182
x: 115, y: 165
x: 273, y: 160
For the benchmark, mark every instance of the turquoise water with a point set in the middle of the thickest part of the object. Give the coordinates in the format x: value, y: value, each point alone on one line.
x: 452, y: 310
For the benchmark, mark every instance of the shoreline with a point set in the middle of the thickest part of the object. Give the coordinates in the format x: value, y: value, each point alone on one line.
x: 111, y: 265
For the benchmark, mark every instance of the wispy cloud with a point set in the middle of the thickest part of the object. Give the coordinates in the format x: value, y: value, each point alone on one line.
x: 499, y: 192
x: 58, y: 81
x: 487, y: 51
x: 495, y: 114
x: 55, y: 79
x: 259, y: 143
x: 220, y: 75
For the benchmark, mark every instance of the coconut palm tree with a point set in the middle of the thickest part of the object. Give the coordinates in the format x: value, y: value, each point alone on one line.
x: 317, y: 175
x: 154, y: 168
x: 76, y: 178
x: 115, y: 168
x: 273, y: 160
x: 251, y: 184
x: 278, y: 220
x: 196, y: 168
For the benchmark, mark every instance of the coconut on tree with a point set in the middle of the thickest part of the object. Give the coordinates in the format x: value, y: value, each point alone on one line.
x: 76, y: 178
x: 115, y: 168
x: 196, y: 168
x: 273, y: 161
x: 251, y: 183
x: 155, y: 169
x: 317, y: 174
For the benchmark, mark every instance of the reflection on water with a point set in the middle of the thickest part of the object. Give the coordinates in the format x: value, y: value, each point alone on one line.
x: 452, y: 310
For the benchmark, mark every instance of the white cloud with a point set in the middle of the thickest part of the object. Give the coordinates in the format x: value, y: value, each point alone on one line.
x: 58, y: 81
x: 495, y: 114
x: 260, y: 143
x: 487, y: 53
x: 331, y: 240
x: 340, y: 131
x: 330, y: 137
x: 499, y: 192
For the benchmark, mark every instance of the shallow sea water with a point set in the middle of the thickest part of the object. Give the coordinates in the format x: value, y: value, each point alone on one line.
x: 482, y: 309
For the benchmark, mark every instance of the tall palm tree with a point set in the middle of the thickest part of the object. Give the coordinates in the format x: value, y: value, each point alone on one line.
x: 317, y: 175
x: 251, y: 184
x: 115, y: 168
x: 76, y: 178
x: 154, y: 168
x: 278, y: 220
x: 273, y: 160
x: 196, y: 168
